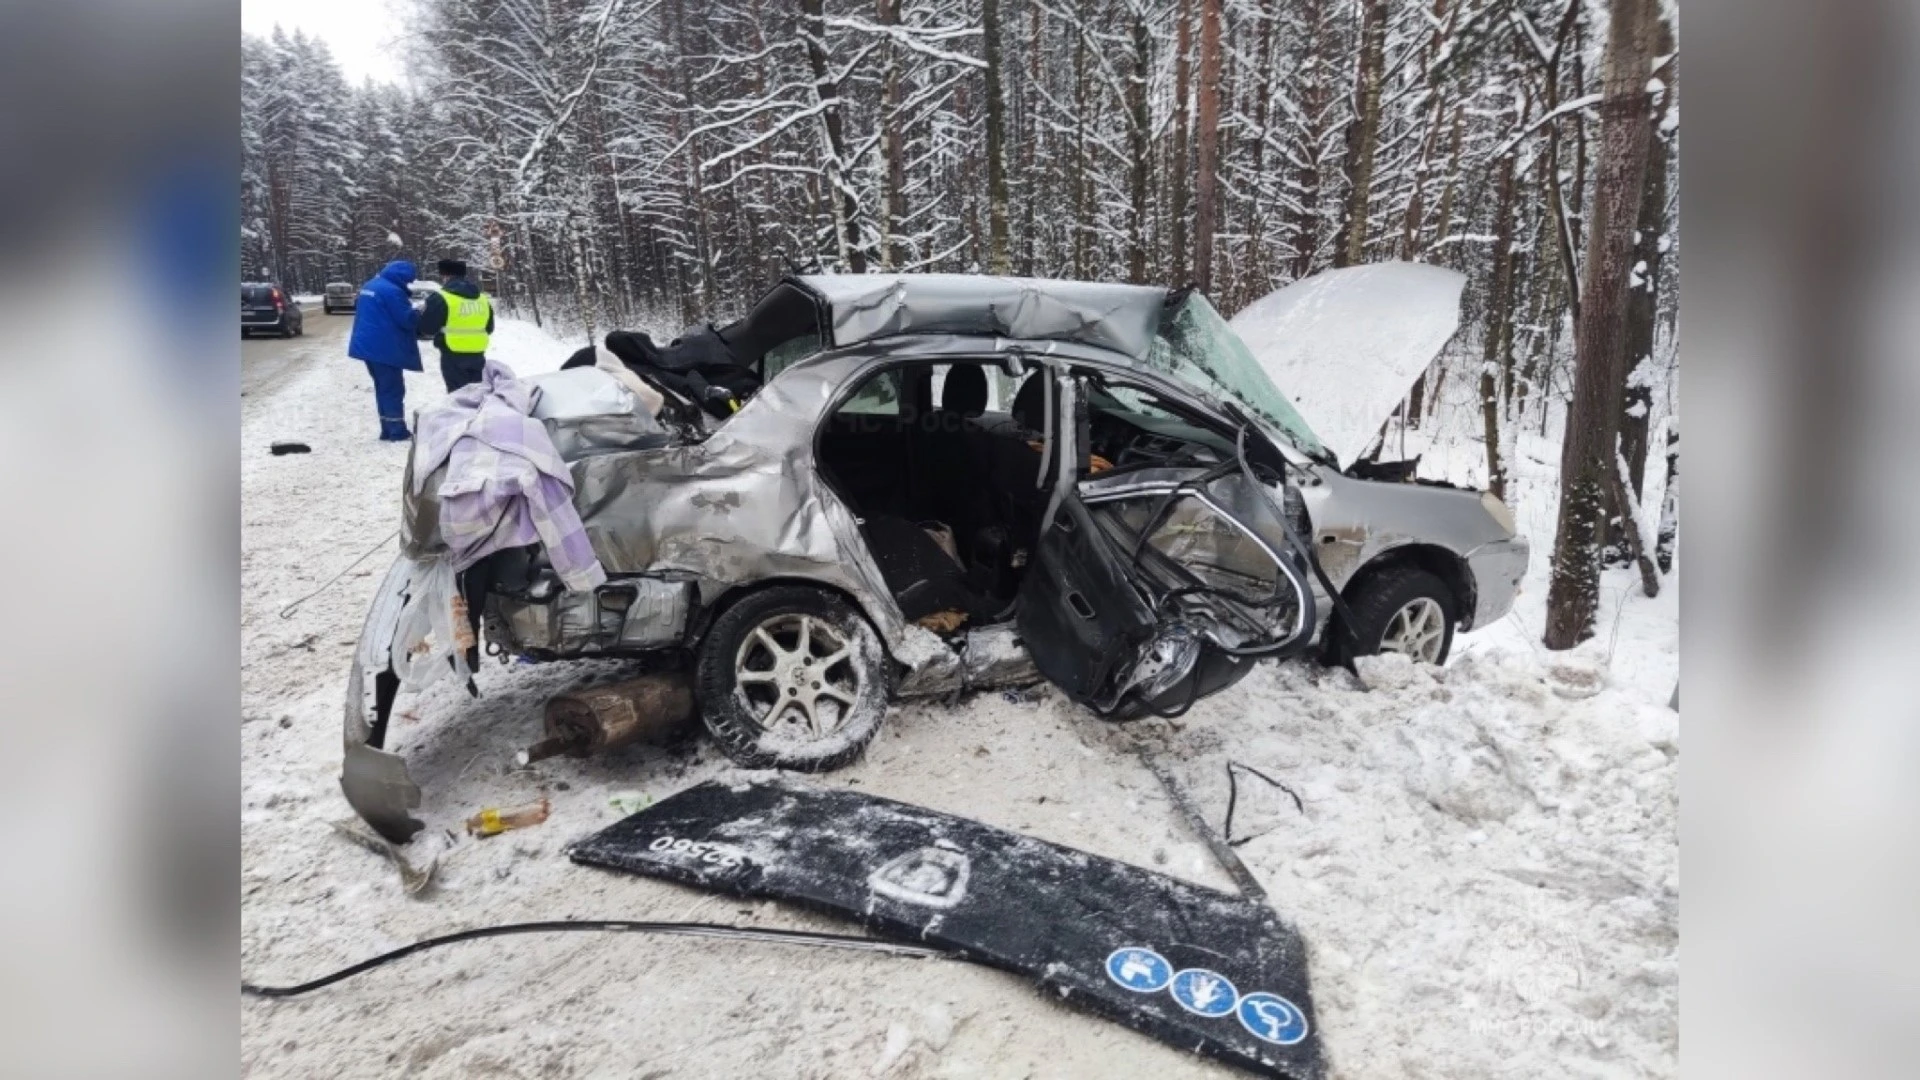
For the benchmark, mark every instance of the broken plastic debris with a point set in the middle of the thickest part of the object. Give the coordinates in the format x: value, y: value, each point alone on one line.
x: 412, y: 878
x: 493, y: 821
x: 629, y: 802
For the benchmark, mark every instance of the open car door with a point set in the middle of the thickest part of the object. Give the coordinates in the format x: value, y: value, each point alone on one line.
x: 1150, y: 588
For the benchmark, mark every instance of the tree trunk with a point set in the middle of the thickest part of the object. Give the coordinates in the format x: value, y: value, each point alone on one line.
x: 1563, y: 226
x: 580, y: 276
x: 1669, y: 530
x: 1587, y: 456
x: 1139, y: 132
x: 894, y: 206
x: 1029, y: 136
x: 1644, y: 301
x: 1444, y: 215
x: 1206, y: 218
x: 1082, y: 182
x: 1412, y: 239
x: 1180, y: 164
x: 1305, y: 219
x: 846, y: 209
x: 1636, y: 554
x: 1496, y: 360
x: 997, y: 261
x: 1362, y: 134
x: 1254, y: 278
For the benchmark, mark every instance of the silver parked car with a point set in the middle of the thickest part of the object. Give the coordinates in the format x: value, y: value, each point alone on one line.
x: 948, y: 482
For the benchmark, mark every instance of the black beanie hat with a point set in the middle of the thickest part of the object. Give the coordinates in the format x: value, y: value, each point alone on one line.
x: 453, y: 267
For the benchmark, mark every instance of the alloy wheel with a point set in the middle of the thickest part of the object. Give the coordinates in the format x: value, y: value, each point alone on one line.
x: 1417, y: 630
x: 796, y: 672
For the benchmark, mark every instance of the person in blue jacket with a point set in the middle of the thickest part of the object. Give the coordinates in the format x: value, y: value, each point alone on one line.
x: 384, y: 338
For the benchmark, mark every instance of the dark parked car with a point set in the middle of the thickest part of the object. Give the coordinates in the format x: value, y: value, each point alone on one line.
x: 339, y: 297
x: 268, y: 307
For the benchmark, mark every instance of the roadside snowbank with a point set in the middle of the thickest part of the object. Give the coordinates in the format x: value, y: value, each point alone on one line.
x: 526, y: 348
x: 1486, y: 868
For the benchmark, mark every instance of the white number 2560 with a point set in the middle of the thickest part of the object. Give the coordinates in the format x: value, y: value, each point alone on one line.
x: 699, y: 850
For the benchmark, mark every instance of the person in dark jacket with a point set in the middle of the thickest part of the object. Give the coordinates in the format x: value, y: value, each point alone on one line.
x: 384, y: 339
x: 460, y: 318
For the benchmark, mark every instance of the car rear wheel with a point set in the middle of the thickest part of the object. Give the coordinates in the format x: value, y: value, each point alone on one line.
x: 1406, y: 610
x: 792, y: 678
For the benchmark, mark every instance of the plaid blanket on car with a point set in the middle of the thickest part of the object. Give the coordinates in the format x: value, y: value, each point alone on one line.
x: 505, y: 484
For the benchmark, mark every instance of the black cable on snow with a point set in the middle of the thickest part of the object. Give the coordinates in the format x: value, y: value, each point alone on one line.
x: 677, y: 929
x: 1223, y: 853
x: 1233, y: 797
x: 287, y: 612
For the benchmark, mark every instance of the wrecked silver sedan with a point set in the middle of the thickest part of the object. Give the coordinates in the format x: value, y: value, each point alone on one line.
x: 938, y: 483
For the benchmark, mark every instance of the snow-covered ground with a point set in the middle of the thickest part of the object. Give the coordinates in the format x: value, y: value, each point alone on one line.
x: 1485, y: 869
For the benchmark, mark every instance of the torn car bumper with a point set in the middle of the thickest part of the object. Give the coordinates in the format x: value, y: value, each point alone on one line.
x: 1497, y: 569
x: 374, y: 779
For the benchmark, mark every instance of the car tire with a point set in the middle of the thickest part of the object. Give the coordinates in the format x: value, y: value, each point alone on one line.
x: 1404, y: 609
x: 808, y: 707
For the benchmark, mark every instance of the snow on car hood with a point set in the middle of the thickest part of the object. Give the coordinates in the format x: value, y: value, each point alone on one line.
x: 1346, y: 345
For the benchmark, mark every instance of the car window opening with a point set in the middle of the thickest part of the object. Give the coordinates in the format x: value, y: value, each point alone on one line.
x: 938, y: 461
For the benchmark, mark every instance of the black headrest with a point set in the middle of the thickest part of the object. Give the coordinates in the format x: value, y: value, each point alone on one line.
x: 965, y: 391
x: 1030, y: 404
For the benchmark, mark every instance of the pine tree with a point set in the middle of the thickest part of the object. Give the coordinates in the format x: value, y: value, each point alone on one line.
x: 1588, y: 461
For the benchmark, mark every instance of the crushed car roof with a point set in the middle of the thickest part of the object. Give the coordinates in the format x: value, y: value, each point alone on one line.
x: 866, y: 306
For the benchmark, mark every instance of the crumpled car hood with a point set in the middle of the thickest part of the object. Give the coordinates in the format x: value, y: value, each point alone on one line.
x: 1346, y: 345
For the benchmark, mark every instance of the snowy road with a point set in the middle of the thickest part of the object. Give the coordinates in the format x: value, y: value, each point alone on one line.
x: 265, y: 362
x: 1484, y: 861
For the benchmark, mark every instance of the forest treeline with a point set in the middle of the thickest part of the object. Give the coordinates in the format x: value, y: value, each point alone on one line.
x: 634, y: 162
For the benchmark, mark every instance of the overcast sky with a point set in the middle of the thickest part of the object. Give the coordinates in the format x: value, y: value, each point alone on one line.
x: 361, y: 33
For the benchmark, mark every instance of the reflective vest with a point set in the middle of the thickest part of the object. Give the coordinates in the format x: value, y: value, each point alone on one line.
x: 466, y: 330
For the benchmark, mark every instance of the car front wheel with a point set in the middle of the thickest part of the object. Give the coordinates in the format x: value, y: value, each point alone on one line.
x: 1406, y: 610
x: 792, y: 678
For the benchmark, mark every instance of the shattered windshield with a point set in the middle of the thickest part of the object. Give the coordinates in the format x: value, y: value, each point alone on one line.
x: 1196, y: 346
